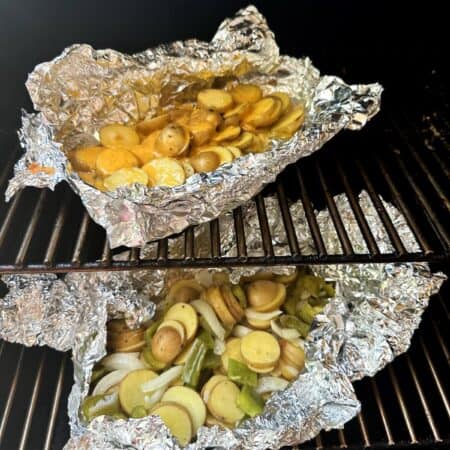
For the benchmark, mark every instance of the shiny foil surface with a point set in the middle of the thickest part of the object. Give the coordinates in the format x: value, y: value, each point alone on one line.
x: 84, y: 89
x: 370, y: 321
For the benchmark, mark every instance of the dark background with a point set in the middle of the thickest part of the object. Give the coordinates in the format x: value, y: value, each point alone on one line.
x: 362, y: 41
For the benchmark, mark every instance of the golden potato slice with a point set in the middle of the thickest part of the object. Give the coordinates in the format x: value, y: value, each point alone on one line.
x: 164, y: 172
x: 167, y: 344
x: 174, y: 324
x: 132, y: 348
x: 227, y: 134
x: 222, y: 402
x: 201, y: 132
x: 155, y: 123
x: 231, y: 302
x: 263, y: 113
x: 243, y: 141
x: 118, y: 136
x: 285, y: 100
x: 200, y: 115
x: 210, y: 385
x: 215, y: 299
x: 125, y: 177
x: 266, y: 295
x: 117, y: 326
x: 180, y: 116
x: 260, y: 143
x: 225, y: 156
x: 186, y: 315
x: 288, y: 372
x: 173, y: 140
x: 111, y: 160
x: 144, y: 153
x: 183, y: 356
x: 212, y: 421
x: 84, y: 159
x: 177, y: 420
x: 215, y: 99
x: 233, y: 351
x: 261, y: 370
x: 130, y: 392
x: 205, y: 161
x: 260, y: 349
x: 235, y: 152
x: 237, y: 111
x: 187, y: 167
x: 184, y: 291
x: 191, y: 401
x: 246, y: 93
x: 289, y: 123
x: 88, y: 177
x: 259, y: 324
x: 293, y: 355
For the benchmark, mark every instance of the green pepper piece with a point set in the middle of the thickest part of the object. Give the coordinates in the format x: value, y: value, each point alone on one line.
x: 305, y: 312
x: 194, y: 364
x: 309, y: 286
x: 289, y: 321
x: 150, y: 331
x: 250, y: 401
x: 329, y: 290
x: 97, y: 373
x: 241, y: 374
x: 291, y: 303
x: 212, y: 361
x: 149, y: 358
x: 100, y: 405
x: 138, y: 412
x: 207, y: 339
x: 239, y: 293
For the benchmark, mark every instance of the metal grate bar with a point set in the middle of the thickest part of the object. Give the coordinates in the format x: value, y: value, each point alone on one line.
x: 264, y: 225
x: 215, y: 238
x: 9, y: 217
x: 383, y: 415
x: 81, y: 239
x: 163, y: 248
x: 7, y: 167
x: 287, y: 220
x: 341, y: 438
x: 363, y: 428
x: 189, y: 243
x: 106, y: 253
x: 441, y: 342
x: 319, y: 445
x: 135, y: 253
x: 310, y: 216
x: 240, y: 233
x: 335, y: 217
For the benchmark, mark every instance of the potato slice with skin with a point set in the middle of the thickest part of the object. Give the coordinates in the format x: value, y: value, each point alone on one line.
x: 260, y: 143
x: 225, y: 156
x: 205, y: 161
x: 215, y: 99
x: 125, y: 177
x: 183, y: 356
x: 204, y: 115
x: 264, y: 113
x: 191, y: 401
x: 144, y: 153
x: 118, y: 136
x: 235, y: 152
x: 259, y: 324
x: 243, y: 141
x: 215, y: 299
x: 231, y: 302
x: 233, y: 351
x: 201, y: 132
x: 238, y: 111
x: 131, y: 348
x: 187, y: 167
x: 177, y: 420
x: 260, y: 349
x: 227, y: 134
x: 88, y: 177
x: 222, y: 402
x: 260, y: 370
x: 164, y: 172
x: 266, y: 295
x: 288, y: 372
x: 285, y: 100
x: 210, y: 385
x: 184, y: 291
x: 178, y: 326
x: 293, y: 355
x: 155, y: 123
x: 180, y: 116
x: 246, y: 93
x: 212, y: 421
x: 289, y: 123
x: 173, y: 140
x: 84, y: 159
x: 111, y: 160
x: 186, y: 315
x: 130, y: 392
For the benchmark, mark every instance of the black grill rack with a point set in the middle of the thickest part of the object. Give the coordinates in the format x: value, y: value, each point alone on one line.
x: 404, y: 159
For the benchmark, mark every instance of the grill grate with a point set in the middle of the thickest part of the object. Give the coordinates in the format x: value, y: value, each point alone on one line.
x: 406, y: 403
x: 43, y: 231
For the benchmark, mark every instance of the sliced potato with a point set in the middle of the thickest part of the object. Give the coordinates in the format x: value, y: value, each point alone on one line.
x: 260, y: 143
x: 184, y: 291
x: 191, y: 401
x: 264, y: 113
x: 173, y: 140
x: 266, y: 295
x: 260, y: 349
x: 84, y: 159
x: 89, y: 178
x: 164, y: 172
x: 243, y: 141
x: 125, y: 177
x: 183, y: 356
x: 201, y: 132
x: 118, y: 326
x: 231, y: 302
x: 215, y: 299
x: 187, y: 167
x: 288, y: 372
x: 130, y: 392
x: 259, y: 324
x: 235, y: 152
x: 155, y: 123
x: 222, y: 402
x: 233, y: 351
x: 111, y: 160
x: 237, y: 111
x: 215, y: 99
x: 285, y: 100
x: 180, y: 116
x: 204, y: 115
x: 186, y: 315
x: 212, y: 421
x: 132, y: 347
x: 289, y: 123
x: 261, y: 370
x: 166, y: 344
x: 177, y: 420
x: 205, y: 161
x: 174, y: 324
x: 210, y: 384
x: 227, y: 134
x: 246, y: 93
x: 293, y: 355
x: 225, y: 156
x: 144, y: 153
x: 118, y: 136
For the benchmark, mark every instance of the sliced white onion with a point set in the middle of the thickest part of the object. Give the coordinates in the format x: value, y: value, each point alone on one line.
x: 298, y: 342
x: 118, y: 361
x: 284, y: 333
x: 271, y: 384
x: 240, y: 331
x: 110, y: 380
x: 163, y: 380
x: 153, y: 398
x: 219, y: 347
x: 210, y: 317
x: 251, y: 314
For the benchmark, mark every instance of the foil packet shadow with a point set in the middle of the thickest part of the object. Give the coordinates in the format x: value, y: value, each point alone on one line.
x: 370, y: 321
x: 83, y: 89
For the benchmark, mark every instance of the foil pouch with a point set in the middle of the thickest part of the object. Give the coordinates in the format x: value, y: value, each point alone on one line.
x: 368, y: 323
x: 83, y: 89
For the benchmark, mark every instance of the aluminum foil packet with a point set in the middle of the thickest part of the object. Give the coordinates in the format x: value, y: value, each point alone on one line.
x: 83, y: 89
x: 368, y: 323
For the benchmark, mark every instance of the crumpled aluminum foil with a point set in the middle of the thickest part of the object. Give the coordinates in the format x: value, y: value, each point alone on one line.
x: 370, y: 321
x: 84, y: 89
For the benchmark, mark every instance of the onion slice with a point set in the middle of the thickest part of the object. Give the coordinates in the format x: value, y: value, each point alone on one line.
x: 118, y: 361
x: 240, y: 331
x: 251, y: 314
x: 110, y: 380
x: 210, y: 316
x: 163, y: 380
x: 153, y: 398
x: 284, y: 333
x: 271, y: 384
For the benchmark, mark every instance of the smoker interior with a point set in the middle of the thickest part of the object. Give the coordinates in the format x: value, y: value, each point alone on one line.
x: 402, y: 155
